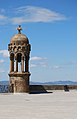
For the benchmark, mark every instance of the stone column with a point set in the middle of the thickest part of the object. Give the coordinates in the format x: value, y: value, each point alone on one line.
x: 22, y: 64
x: 11, y: 65
x: 11, y: 62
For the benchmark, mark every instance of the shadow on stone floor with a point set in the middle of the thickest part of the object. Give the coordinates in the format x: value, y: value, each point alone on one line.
x: 40, y: 92
x: 38, y: 89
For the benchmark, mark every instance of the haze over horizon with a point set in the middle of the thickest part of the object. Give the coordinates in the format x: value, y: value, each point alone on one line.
x: 51, y: 26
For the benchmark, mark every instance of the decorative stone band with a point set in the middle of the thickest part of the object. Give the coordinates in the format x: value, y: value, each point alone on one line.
x: 19, y: 74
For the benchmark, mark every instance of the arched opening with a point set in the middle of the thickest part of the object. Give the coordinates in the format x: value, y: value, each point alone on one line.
x: 18, y: 62
x: 26, y: 63
x: 19, y: 55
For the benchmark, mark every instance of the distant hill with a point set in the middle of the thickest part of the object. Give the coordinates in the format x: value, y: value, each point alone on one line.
x: 58, y: 85
x: 54, y: 83
x: 45, y: 83
x: 4, y: 82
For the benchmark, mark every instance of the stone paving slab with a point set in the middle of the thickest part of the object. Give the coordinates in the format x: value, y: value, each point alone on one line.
x: 56, y: 105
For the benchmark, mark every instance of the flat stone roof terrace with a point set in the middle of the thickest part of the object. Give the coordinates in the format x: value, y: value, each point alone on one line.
x: 56, y: 105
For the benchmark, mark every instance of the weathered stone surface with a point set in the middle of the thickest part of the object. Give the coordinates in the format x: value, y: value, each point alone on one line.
x: 19, y: 82
x: 56, y: 105
x: 19, y: 49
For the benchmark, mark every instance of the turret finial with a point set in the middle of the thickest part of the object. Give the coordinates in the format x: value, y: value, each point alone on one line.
x: 19, y: 29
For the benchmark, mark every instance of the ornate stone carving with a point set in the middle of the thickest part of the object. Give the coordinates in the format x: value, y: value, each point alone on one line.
x: 19, y: 49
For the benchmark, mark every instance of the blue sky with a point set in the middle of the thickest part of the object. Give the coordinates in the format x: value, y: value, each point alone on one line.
x: 51, y: 26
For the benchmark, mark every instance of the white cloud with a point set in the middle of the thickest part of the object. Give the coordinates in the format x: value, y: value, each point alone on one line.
x: 36, y: 58
x: 18, y: 20
x: 70, y: 63
x: 33, y: 65
x: 2, y: 71
x: 36, y: 14
x: 38, y: 62
x: 56, y: 67
x: 5, y: 53
x: 3, y: 19
x: 30, y: 14
x: 1, y: 61
x: 43, y: 64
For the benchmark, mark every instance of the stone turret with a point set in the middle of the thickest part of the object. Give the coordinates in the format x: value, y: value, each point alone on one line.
x: 19, y: 50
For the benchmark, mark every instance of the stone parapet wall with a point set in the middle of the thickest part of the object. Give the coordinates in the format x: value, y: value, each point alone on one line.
x: 45, y: 88
x: 40, y: 88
